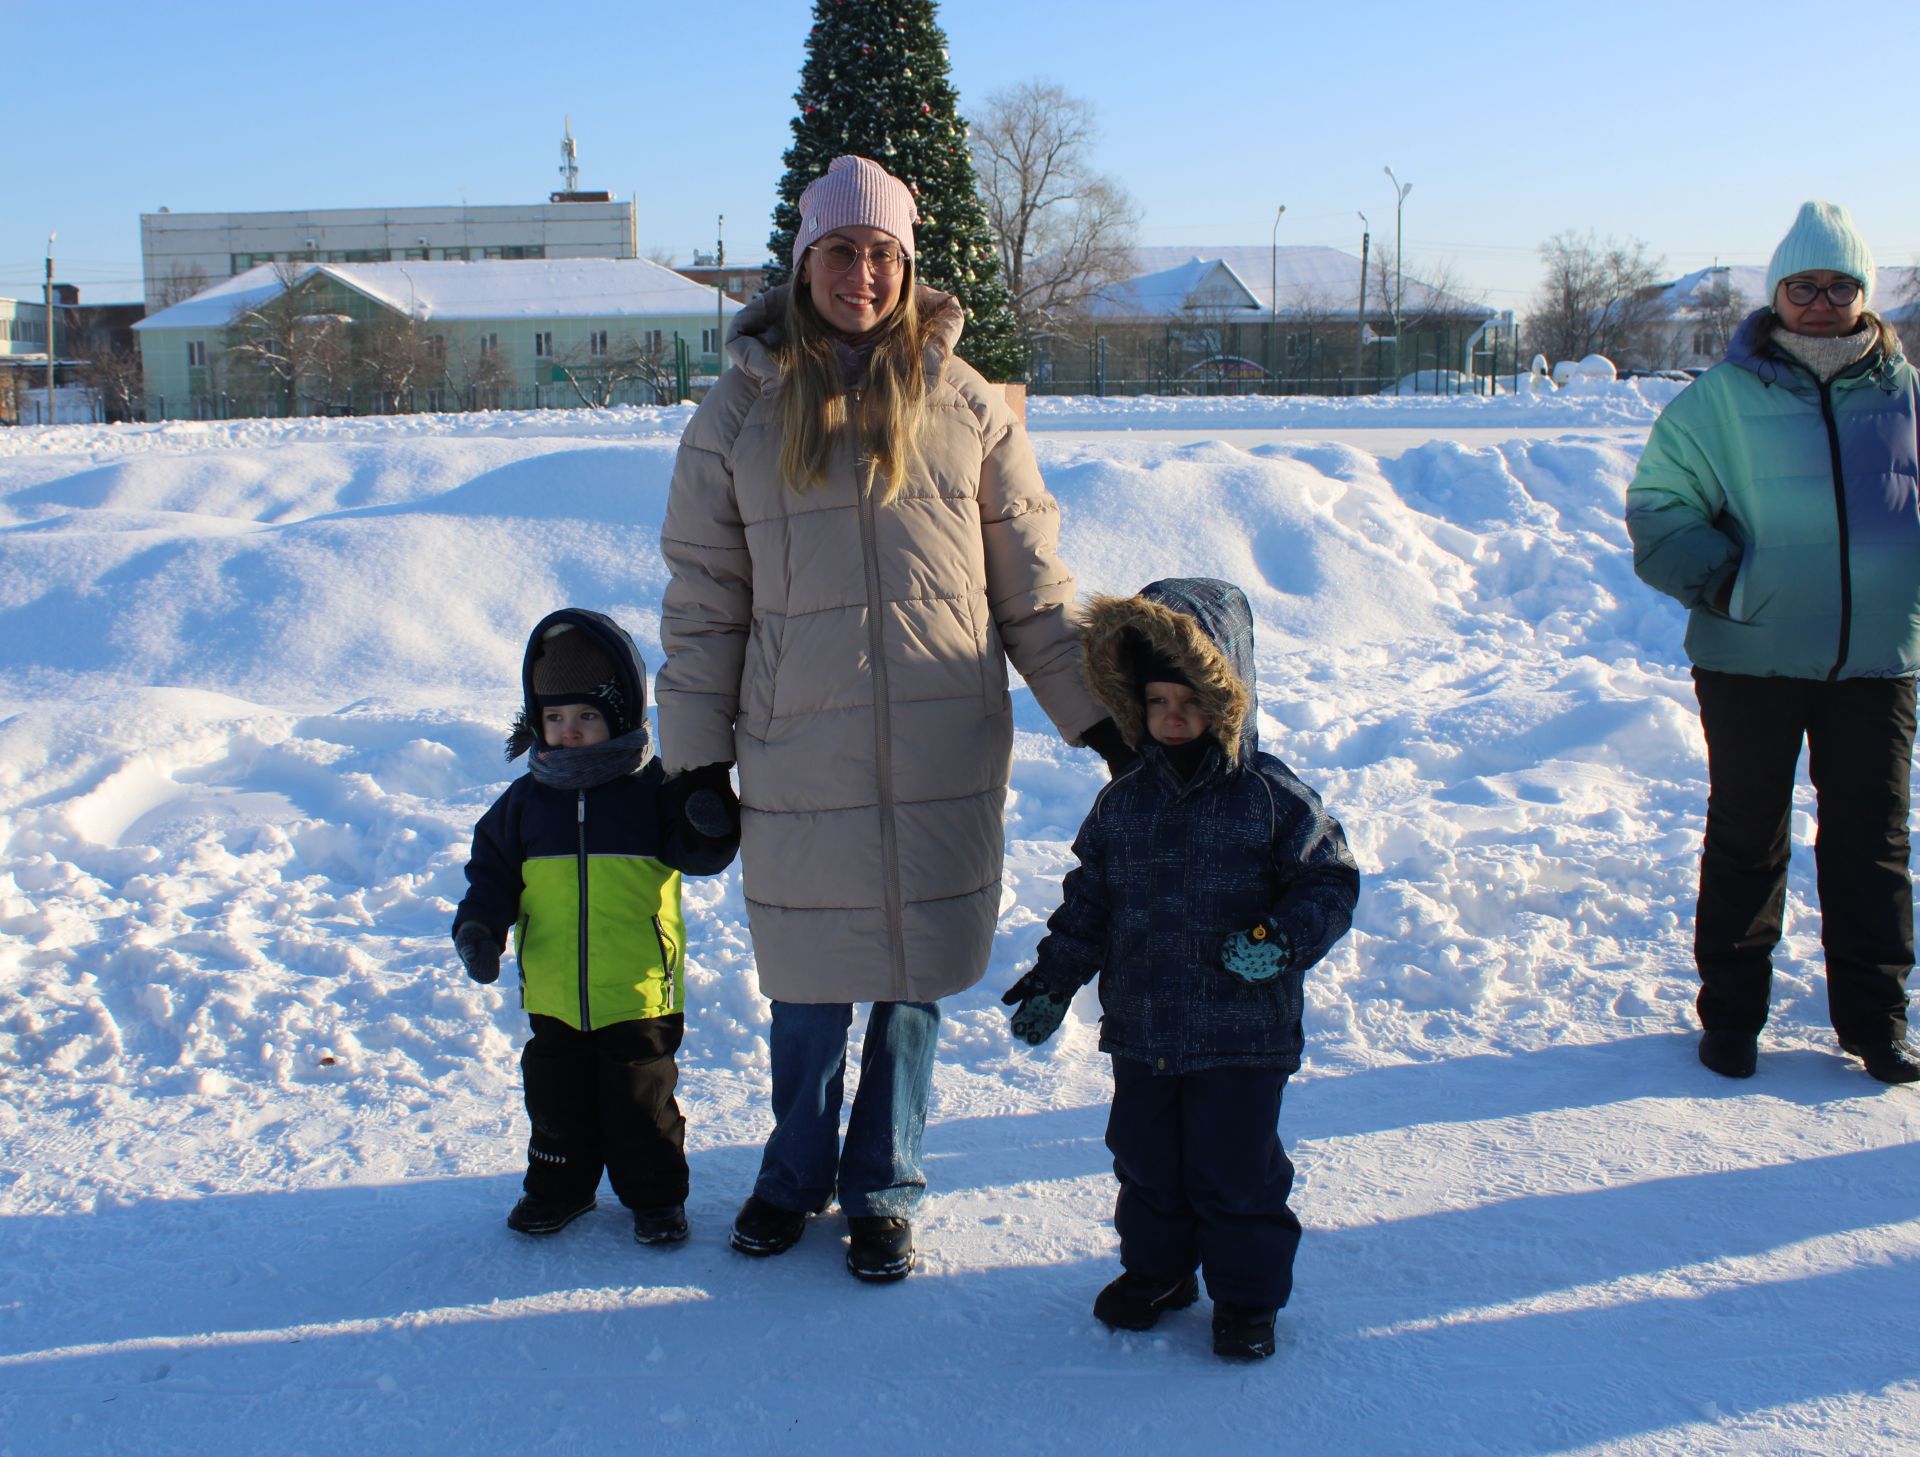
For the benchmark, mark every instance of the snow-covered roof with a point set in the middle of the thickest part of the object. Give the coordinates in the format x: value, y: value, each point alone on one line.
x: 535, y: 288
x: 1289, y: 281
x: 1683, y: 298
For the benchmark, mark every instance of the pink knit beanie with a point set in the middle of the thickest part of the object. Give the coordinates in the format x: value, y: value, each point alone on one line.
x: 855, y: 192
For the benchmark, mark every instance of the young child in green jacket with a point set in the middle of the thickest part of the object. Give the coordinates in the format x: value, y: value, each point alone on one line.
x: 581, y: 858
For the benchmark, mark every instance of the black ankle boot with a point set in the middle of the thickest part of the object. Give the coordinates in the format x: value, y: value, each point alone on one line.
x: 1731, y: 1054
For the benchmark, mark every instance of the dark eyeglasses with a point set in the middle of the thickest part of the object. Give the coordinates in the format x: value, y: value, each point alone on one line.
x: 1840, y: 293
x: 883, y: 258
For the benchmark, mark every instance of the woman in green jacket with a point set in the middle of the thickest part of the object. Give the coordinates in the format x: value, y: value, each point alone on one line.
x: 1777, y: 500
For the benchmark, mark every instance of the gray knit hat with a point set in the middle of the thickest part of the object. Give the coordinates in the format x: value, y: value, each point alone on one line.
x: 855, y: 192
x: 1823, y: 236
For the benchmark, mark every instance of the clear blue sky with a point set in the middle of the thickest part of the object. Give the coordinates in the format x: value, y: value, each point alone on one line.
x: 1697, y: 125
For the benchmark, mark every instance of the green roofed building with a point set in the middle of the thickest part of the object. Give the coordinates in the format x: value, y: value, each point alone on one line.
x: 366, y: 338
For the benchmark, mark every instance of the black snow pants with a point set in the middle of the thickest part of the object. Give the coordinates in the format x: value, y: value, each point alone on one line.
x: 604, y: 1100
x: 1859, y: 734
x: 1203, y: 1179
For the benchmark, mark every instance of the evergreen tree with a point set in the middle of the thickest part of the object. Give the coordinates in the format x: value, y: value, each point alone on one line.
x: 875, y: 85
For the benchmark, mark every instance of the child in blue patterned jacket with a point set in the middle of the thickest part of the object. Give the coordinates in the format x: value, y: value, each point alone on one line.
x: 1210, y: 879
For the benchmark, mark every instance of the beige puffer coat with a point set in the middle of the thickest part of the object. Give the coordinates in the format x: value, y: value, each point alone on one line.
x: 851, y: 657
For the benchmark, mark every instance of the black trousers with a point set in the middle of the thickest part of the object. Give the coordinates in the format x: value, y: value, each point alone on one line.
x: 604, y: 1100
x: 1859, y: 734
x: 1203, y: 1179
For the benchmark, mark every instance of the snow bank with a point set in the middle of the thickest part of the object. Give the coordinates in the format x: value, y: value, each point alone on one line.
x: 261, y: 1133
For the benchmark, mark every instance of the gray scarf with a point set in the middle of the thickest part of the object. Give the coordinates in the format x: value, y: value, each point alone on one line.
x: 1826, y: 357
x: 592, y: 766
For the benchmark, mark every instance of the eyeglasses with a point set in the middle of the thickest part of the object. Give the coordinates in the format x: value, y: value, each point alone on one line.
x: 1840, y: 293
x: 883, y: 258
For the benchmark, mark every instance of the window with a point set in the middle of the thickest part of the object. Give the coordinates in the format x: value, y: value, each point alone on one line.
x: 652, y: 340
x: 196, y: 354
x: 709, y: 341
x: 597, y: 342
x: 452, y: 255
x: 416, y: 255
x: 437, y: 347
x: 543, y: 344
x: 489, y: 343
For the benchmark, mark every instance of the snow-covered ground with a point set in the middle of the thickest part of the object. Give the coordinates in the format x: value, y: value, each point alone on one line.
x: 260, y: 1134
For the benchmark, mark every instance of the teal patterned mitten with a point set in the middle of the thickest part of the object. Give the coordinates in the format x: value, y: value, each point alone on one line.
x: 1257, y: 955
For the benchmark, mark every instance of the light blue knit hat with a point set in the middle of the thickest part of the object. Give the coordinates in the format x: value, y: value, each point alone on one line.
x: 1823, y: 236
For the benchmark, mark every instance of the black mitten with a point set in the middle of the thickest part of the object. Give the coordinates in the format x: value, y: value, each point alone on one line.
x: 479, y: 952
x: 706, y: 801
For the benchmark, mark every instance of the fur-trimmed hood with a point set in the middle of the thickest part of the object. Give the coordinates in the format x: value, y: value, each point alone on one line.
x: 614, y: 641
x: 1204, y: 625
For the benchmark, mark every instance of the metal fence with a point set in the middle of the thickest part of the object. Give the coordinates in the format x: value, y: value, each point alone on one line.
x: 229, y: 406
x: 1257, y: 359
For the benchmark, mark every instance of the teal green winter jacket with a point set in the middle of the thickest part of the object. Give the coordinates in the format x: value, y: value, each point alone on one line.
x: 1803, y: 493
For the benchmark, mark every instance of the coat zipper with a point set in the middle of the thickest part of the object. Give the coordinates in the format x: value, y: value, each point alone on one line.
x: 882, y: 726
x: 586, y: 1018
x: 1840, y: 513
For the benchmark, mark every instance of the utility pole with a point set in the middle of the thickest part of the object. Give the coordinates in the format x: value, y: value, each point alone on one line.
x: 1360, y: 331
x: 1273, y: 288
x: 51, y: 415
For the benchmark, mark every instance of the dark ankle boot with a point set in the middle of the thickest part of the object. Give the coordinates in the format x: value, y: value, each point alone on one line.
x: 1731, y: 1054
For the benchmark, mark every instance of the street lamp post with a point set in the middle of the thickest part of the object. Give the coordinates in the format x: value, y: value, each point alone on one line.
x: 1360, y: 319
x: 53, y: 417
x: 1400, y: 191
x: 1273, y: 287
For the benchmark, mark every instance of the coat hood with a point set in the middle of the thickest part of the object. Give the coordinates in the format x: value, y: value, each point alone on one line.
x: 1204, y: 625
x: 755, y: 333
x: 616, y: 643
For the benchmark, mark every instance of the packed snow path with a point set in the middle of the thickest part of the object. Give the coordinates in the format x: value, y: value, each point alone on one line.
x: 260, y: 1135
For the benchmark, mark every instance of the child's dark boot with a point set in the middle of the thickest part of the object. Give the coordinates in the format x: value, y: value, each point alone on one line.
x: 1242, y: 1332
x: 535, y: 1214
x: 1135, y: 1302
x: 666, y: 1225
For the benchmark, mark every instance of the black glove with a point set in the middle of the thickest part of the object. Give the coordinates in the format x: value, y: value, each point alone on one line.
x: 479, y: 952
x: 1037, y: 1010
x: 1106, y: 740
x: 704, y: 798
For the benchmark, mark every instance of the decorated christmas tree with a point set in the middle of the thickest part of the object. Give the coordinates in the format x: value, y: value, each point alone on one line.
x: 875, y: 85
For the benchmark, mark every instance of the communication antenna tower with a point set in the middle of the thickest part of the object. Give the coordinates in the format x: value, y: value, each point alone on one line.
x: 570, y: 159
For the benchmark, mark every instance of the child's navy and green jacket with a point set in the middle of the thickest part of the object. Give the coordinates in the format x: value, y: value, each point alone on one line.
x: 1170, y: 868
x: 581, y: 859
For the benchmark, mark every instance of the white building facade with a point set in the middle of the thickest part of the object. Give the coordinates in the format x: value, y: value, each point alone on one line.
x: 181, y: 253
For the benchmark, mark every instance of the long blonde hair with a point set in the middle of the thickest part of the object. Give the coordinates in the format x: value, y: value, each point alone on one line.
x: 814, y: 404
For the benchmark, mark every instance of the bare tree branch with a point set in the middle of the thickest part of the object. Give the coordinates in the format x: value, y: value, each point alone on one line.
x: 1598, y: 297
x: 1064, y: 232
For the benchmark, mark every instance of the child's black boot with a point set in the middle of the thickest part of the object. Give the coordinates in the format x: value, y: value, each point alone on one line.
x: 1242, y: 1332
x: 1135, y: 1302
x: 535, y: 1214
x: 666, y: 1225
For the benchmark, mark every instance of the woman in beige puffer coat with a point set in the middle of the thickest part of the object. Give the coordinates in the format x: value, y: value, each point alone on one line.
x: 859, y: 539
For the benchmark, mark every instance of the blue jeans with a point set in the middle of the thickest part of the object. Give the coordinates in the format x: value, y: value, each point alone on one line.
x: 877, y: 1169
